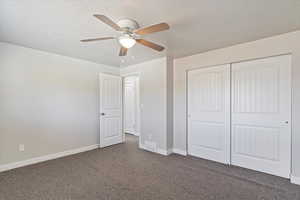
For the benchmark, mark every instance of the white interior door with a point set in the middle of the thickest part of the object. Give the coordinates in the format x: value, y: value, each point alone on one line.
x: 261, y: 115
x: 209, y: 113
x: 130, y: 104
x: 110, y: 110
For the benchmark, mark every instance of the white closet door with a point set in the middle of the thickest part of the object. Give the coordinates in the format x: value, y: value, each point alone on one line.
x: 209, y: 113
x: 110, y: 110
x: 261, y: 115
x: 130, y: 104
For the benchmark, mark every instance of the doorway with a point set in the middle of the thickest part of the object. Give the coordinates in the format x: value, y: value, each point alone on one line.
x: 131, y: 92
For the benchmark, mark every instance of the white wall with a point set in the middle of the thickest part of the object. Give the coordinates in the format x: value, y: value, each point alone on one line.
x: 282, y: 44
x: 153, y: 100
x: 47, y: 102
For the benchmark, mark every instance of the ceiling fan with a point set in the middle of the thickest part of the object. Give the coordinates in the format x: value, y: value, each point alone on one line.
x: 130, y: 33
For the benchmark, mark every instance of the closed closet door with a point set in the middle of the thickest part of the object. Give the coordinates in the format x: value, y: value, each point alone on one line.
x: 261, y: 115
x: 209, y: 113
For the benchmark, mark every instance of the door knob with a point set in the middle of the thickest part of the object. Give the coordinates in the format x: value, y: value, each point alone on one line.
x: 102, y: 114
x: 286, y: 122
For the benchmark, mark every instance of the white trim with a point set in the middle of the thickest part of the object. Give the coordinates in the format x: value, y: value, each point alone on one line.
x: 180, y: 152
x: 129, y: 132
x: 32, y: 161
x: 155, y: 150
x: 132, y: 133
x: 144, y: 147
x: 295, y: 180
x: 141, y: 146
x: 163, y: 151
x: 137, y: 134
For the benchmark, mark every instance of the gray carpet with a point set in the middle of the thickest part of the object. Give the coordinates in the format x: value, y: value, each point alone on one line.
x: 125, y: 172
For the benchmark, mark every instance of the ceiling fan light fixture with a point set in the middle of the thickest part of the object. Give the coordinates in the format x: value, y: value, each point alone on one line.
x: 130, y: 33
x: 127, y: 41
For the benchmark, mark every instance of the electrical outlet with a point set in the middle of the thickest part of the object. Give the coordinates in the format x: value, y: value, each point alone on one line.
x: 21, y: 147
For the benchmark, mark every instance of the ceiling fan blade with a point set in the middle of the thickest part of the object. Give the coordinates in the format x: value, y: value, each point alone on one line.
x: 123, y: 51
x: 96, y: 39
x: 153, y: 29
x: 150, y: 44
x: 108, y: 21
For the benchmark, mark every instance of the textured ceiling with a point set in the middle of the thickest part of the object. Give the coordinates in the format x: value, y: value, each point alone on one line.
x: 196, y: 25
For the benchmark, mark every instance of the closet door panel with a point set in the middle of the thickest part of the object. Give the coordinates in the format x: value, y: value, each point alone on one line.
x: 209, y: 113
x: 261, y: 115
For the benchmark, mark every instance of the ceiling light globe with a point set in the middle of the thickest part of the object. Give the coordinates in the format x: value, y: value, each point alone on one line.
x: 127, y: 41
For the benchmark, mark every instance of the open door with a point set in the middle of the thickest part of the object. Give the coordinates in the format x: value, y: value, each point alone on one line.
x: 110, y: 110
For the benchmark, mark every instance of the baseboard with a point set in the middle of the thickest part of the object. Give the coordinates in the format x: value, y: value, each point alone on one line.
x: 180, y: 152
x: 141, y: 146
x: 295, y: 180
x: 132, y: 133
x: 163, y: 151
x: 129, y: 132
x: 144, y: 147
x: 32, y: 161
x: 155, y: 149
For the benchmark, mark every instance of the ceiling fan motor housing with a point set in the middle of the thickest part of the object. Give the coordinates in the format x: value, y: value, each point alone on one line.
x: 128, y: 24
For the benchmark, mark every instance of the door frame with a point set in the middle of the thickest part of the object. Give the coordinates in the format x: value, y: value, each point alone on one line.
x: 136, y: 74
